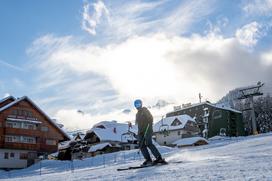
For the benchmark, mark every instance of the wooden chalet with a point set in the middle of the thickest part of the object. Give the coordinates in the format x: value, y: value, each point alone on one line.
x: 26, y: 133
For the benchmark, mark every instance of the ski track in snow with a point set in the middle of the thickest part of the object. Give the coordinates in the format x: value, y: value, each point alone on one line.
x: 242, y: 158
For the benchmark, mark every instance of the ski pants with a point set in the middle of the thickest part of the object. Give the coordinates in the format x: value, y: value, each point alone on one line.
x: 145, y: 143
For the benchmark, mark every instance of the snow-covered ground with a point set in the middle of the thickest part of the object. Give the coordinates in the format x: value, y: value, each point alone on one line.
x: 242, y: 158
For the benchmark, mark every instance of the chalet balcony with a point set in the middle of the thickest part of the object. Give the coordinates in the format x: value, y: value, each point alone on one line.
x: 23, y: 132
x: 22, y: 146
x: 27, y: 146
x: 48, y: 148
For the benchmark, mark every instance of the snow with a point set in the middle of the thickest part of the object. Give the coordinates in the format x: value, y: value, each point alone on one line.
x: 189, y: 141
x: 219, y: 106
x: 169, y: 120
x: 63, y: 145
x: 113, y: 131
x: 100, y: 146
x: 239, y: 158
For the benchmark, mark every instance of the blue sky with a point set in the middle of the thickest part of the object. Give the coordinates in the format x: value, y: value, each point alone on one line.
x: 98, y: 56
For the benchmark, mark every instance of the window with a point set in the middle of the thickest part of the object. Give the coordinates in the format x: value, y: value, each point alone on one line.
x: 30, y: 114
x: 9, y: 125
x: 6, y: 155
x: 12, y: 124
x: 23, y: 156
x: 10, y: 139
x: 30, y: 140
x: 178, y: 132
x: 12, y: 155
x: 101, y: 126
x: 14, y: 112
x: 176, y: 122
x: 217, y: 114
x: 44, y: 128
x: 51, y: 142
x: 19, y: 112
x: 29, y: 126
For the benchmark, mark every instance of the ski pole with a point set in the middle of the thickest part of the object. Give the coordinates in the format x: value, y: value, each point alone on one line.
x: 141, y: 144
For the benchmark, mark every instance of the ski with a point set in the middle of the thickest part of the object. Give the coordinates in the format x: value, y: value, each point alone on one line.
x: 133, y: 167
x: 141, y: 166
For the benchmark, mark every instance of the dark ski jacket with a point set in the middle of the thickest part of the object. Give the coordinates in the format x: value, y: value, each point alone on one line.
x: 143, y: 118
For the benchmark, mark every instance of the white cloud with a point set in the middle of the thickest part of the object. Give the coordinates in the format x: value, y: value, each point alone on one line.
x: 137, y: 17
x: 8, y: 65
x: 267, y: 58
x: 102, y: 80
x: 90, y: 22
x: 148, y: 58
x: 249, y: 34
x: 259, y: 7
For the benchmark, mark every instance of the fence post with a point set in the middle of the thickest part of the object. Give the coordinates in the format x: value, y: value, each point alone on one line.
x: 115, y: 155
x: 40, y: 167
x: 104, y: 161
x: 72, y: 166
x: 124, y: 156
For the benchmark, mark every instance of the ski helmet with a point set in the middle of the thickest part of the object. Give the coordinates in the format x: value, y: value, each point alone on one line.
x: 138, y: 103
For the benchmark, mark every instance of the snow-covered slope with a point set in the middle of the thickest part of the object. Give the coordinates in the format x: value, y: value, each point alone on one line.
x: 242, y: 158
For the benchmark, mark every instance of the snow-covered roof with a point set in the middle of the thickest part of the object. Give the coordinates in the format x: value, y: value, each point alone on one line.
x: 41, y: 111
x: 99, y: 146
x: 112, y: 131
x: 212, y: 105
x: 54, y: 154
x: 189, y: 141
x: 80, y: 135
x: 63, y: 145
x: 106, y: 124
x: 6, y: 98
x: 169, y: 120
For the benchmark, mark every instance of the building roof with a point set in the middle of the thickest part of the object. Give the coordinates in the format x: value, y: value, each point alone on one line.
x: 99, y: 146
x: 189, y: 141
x: 42, y: 112
x: 65, y: 144
x: 79, y: 135
x: 167, y: 122
x: 112, y: 131
x: 7, y: 98
x: 218, y: 106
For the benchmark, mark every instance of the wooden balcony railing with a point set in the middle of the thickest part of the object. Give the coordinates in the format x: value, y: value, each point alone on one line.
x: 23, y: 132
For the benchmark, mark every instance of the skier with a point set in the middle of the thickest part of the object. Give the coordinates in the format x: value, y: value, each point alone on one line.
x: 144, y: 119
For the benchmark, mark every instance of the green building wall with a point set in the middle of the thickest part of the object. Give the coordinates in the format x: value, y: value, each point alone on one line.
x: 219, y: 118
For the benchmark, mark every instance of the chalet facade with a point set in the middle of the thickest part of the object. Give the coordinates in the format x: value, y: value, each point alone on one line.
x: 220, y: 120
x: 171, y: 129
x: 26, y: 133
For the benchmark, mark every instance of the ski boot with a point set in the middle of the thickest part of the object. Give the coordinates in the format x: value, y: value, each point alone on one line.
x: 147, y: 163
x: 159, y: 161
